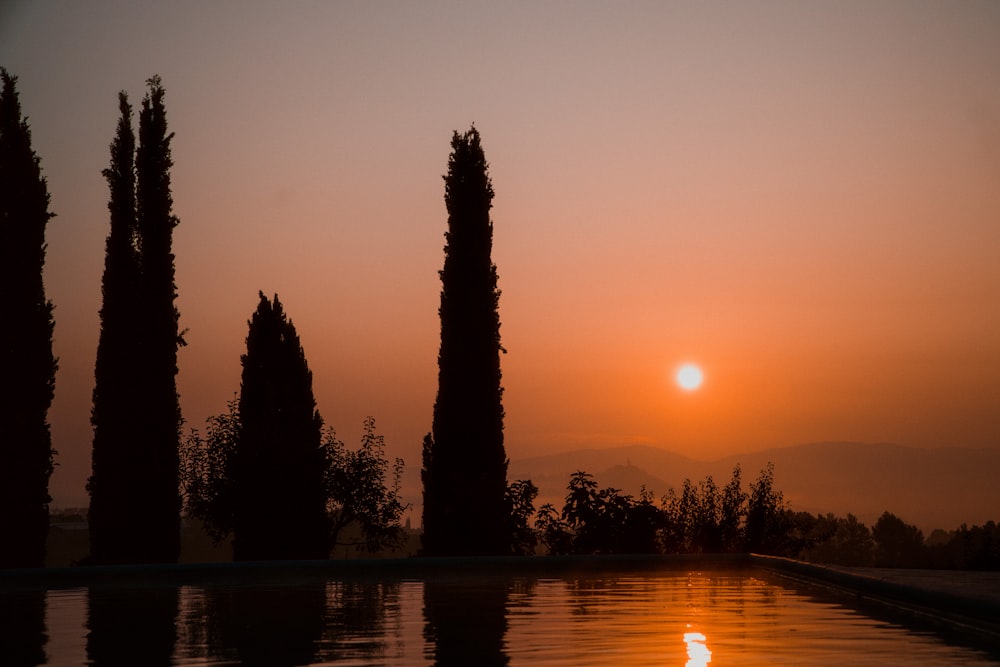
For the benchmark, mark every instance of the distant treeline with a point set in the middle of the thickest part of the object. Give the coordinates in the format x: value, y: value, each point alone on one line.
x: 703, y: 518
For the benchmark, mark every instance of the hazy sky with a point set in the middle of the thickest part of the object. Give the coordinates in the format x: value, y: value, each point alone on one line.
x: 801, y: 197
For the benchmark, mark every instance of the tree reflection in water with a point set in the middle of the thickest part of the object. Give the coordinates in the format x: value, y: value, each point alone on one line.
x: 465, y: 621
x: 291, y: 623
x: 356, y: 626
x: 131, y: 626
x: 22, y: 627
x: 262, y: 625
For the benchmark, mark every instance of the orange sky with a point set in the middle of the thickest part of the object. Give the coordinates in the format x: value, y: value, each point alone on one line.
x: 803, y: 198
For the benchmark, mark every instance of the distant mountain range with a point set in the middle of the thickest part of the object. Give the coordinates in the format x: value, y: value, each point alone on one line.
x: 932, y: 488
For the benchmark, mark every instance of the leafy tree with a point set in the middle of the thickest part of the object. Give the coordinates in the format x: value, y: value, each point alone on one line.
x: 553, y: 531
x: 358, y: 493
x: 897, y: 543
x: 766, y: 525
x: 841, y: 541
x: 680, y: 527
x: 207, y: 473
x: 582, y: 512
x: 28, y: 376
x: 465, y: 464
x: 732, y: 513
x: 603, y: 521
x: 975, y: 548
x: 359, y: 487
x: 520, y: 498
x: 642, y: 526
x: 279, y: 499
x: 707, y: 514
x: 134, y: 498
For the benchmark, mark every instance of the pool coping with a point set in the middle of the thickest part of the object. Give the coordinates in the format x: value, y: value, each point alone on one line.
x: 980, y: 615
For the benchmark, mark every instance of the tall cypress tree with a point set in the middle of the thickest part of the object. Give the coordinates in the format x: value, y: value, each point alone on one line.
x: 279, y: 498
x: 27, y: 381
x: 135, y: 502
x: 117, y: 403
x: 465, y: 465
x: 160, y: 335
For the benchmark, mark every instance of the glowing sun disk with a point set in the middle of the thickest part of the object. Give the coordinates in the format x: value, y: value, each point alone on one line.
x: 689, y: 377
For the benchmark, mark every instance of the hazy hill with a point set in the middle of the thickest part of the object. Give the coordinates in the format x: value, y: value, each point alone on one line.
x: 932, y: 488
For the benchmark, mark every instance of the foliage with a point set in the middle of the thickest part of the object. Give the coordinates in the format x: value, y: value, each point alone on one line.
x: 839, y: 541
x: 703, y: 519
x: 359, y: 486
x: 599, y: 521
x: 465, y: 464
x: 967, y: 548
x: 279, y: 496
x: 358, y: 491
x: 766, y: 526
x: 732, y: 513
x: 520, y: 499
x: 643, y: 523
x: 28, y: 377
x: 135, y: 504
x: 207, y: 468
x: 898, y: 544
x: 553, y: 532
x: 699, y: 519
x: 678, y: 528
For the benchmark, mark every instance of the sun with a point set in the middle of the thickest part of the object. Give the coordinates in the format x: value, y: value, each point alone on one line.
x: 689, y: 377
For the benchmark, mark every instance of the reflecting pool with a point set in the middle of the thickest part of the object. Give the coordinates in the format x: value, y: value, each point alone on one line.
x: 630, y: 618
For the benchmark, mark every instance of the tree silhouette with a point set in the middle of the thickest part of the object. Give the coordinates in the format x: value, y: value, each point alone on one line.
x: 600, y: 521
x: 162, y: 413
x: 265, y: 626
x: 134, y: 499
x: 839, y: 541
x: 116, y: 403
x: 28, y: 376
x: 279, y: 501
x: 22, y: 627
x: 208, y: 469
x: 731, y: 513
x: 766, y: 527
x: 358, y: 493
x: 553, y: 531
x: 681, y: 528
x: 897, y: 543
x: 520, y: 498
x: 359, y: 488
x: 465, y: 465
x: 118, y: 635
x: 465, y: 623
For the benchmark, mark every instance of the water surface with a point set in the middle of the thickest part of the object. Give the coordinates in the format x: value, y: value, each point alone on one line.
x: 633, y: 618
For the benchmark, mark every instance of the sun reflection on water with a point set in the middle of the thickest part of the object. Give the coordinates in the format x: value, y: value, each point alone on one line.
x: 697, y: 650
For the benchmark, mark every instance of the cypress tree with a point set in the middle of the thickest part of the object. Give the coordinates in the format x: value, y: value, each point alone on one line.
x: 117, y: 401
x: 160, y: 338
x: 279, y: 498
x: 465, y: 465
x: 28, y: 376
x: 135, y: 501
